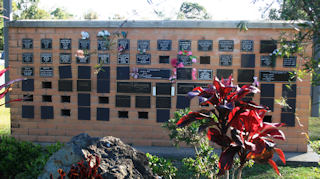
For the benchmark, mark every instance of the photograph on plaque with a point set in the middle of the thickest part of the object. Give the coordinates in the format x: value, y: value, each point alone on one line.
x: 27, y: 43
x: 164, y: 59
x: 143, y: 59
x: 268, y: 46
x: 225, y: 60
x: 27, y: 71
x: 124, y: 43
x: 65, y: 58
x: 153, y: 73
x: 143, y: 101
x: 275, y: 76
x: 103, y: 45
x: 184, y: 73
x: 65, y: 85
x: 46, y: 71
x: 143, y: 45
x: 184, y: 88
x: 204, y: 59
x: 246, y: 45
x: 84, y: 44
x: 226, y: 45
x: 185, y: 60
x: 163, y: 102
x: 204, y: 74
x: 205, y: 45
x: 185, y: 45
x: 267, y: 61
x: 123, y: 101
x: 163, y: 88
x: 164, y: 45
x: 83, y: 85
x: 27, y: 57
x: 46, y: 57
x: 290, y: 61
x: 245, y: 75
x: 46, y: 43
x: 65, y: 44
x: 84, y: 60
x: 123, y: 58
x: 141, y: 87
x: 224, y: 73
x: 248, y: 60
x: 103, y: 58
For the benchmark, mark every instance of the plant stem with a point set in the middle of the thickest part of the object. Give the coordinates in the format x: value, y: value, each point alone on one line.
x: 227, y: 174
x: 239, y: 172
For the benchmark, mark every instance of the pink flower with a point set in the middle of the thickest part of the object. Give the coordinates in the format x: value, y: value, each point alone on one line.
x: 194, y: 60
x: 174, y: 71
x: 174, y: 62
x: 180, y: 65
x: 194, y: 72
x: 80, y: 54
x: 180, y: 53
x: 189, y: 53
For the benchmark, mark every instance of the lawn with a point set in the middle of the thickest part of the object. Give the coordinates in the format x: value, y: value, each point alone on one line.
x: 314, y: 128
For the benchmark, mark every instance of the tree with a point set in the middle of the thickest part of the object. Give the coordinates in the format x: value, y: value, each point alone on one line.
x: 189, y: 10
x: 28, y: 9
x: 60, y: 13
x: 90, y: 15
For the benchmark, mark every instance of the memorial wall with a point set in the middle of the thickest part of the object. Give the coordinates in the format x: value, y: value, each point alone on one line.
x: 133, y: 93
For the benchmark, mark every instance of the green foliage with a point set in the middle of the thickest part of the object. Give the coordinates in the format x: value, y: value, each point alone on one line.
x: 60, y: 13
x: 90, y: 15
x: 189, y: 10
x: 28, y: 9
x: 161, y: 166
x: 315, y: 145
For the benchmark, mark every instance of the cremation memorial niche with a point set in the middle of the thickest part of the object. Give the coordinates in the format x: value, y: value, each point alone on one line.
x: 153, y: 73
x: 224, y: 73
x: 275, y: 76
x: 46, y: 44
x: 290, y: 61
x: 164, y: 59
x: 164, y: 45
x: 123, y: 101
x: 27, y: 57
x: 185, y: 45
x: 84, y: 44
x: 65, y: 85
x: 103, y: 58
x: 226, y: 45
x: 204, y: 59
x: 65, y: 44
x: 143, y: 45
x: 268, y: 46
x: 123, y: 73
x: 83, y: 60
x: 184, y: 73
x: 143, y: 101
x: 123, y: 58
x: 205, y: 45
x: 46, y: 57
x: 267, y: 61
x: 83, y: 85
x: 204, y: 74
x: 248, y: 60
x: 27, y: 43
x: 27, y: 71
x: 143, y: 59
x: 245, y: 75
x: 163, y: 88
x: 46, y: 72
x: 184, y: 88
x: 65, y: 72
x: 246, y: 45
x: 225, y: 60
x: 163, y: 102
x: 65, y: 58
x: 124, y: 43
x: 185, y: 60
x: 103, y: 44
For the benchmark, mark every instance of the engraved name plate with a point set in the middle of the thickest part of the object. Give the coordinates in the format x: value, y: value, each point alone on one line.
x: 103, y: 58
x: 46, y: 57
x: 266, y: 61
x: 27, y: 71
x: 65, y: 58
x: 46, y: 71
x: 226, y: 45
x: 123, y: 58
x: 46, y: 43
x: 143, y: 59
x: 185, y: 60
x: 185, y: 45
x: 103, y: 45
x: 65, y: 44
x: 27, y: 43
x: 27, y: 58
x: 290, y: 61
x: 204, y: 74
x: 225, y: 60
x: 164, y: 45
x: 205, y: 45
x: 84, y: 44
x: 275, y: 76
x: 125, y: 43
x: 153, y: 73
x: 143, y: 45
x: 246, y: 45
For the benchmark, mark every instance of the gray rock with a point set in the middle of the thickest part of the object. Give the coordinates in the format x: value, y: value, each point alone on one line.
x: 118, y: 160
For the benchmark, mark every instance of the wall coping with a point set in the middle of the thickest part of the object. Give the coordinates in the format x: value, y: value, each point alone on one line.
x: 151, y: 24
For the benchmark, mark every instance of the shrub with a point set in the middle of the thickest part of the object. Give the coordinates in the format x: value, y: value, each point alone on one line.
x: 161, y: 166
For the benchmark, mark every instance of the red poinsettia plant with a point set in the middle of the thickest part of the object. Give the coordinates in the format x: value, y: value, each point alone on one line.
x: 235, y: 125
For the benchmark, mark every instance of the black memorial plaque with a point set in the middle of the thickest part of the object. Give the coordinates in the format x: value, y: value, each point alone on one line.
x: 84, y: 44
x: 246, y: 45
x: 65, y: 58
x: 46, y: 44
x: 103, y: 58
x: 103, y: 86
x: 288, y: 119
x: 163, y: 115
x: 84, y: 60
x: 142, y: 87
x: 83, y: 85
x: 290, y: 61
x: 27, y: 71
x: 46, y: 72
x: 185, y: 45
x: 289, y: 91
x: 46, y: 84
x: 164, y: 59
x: 164, y: 45
x: 184, y: 88
x: 153, y: 73
x: 182, y: 102
x: 103, y: 45
x: 163, y: 102
x: 269, y: 102
x: 46, y: 57
x: 84, y: 99
x: 184, y: 73
x: 47, y: 112
x: 143, y: 101
x: 65, y: 72
x: 185, y: 60
x: 163, y: 88
x: 143, y: 45
x: 248, y: 60
x: 204, y: 74
x: 65, y: 44
x: 267, y: 90
x: 27, y: 111
x: 124, y: 87
x: 123, y: 58
x: 226, y: 45
x: 123, y: 73
x: 123, y: 101
x: 104, y: 73
x: 245, y: 75
x: 224, y: 73
x: 204, y: 59
x: 27, y: 57
x: 267, y: 61
x: 143, y: 59
x: 27, y: 43
x: 275, y: 76
x: 268, y: 46
x: 84, y: 113
x: 291, y: 106
x: 124, y: 43
x: 103, y: 114
x: 225, y: 60
x: 28, y: 85
x: 267, y: 118
x: 84, y: 72
x: 65, y: 85
x: 205, y: 45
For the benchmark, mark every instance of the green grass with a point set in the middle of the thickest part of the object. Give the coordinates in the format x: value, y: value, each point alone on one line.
x: 314, y: 128
x: 4, y: 117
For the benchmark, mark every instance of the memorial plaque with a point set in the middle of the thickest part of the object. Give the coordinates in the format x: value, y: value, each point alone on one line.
x: 103, y: 86
x: 103, y: 45
x: 185, y: 60
x: 84, y: 72
x: 65, y: 44
x: 123, y: 114
x: 65, y: 99
x: 204, y: 59
x: 84, y: 99
x: 28, y: 98
x: 104, y: 73
x: 84, y: 60
x: 275, y: 76
x: 46, y: 57
x: 289, y: 91
x: 182, y: 102
x: 84, y: 113
x: 27, y: 43
x: 27, y: 57
x: 103, y: 114
x: 245, y: 75
x: 28, y: 85
x: 184, y: 73
x: 267, y: 61
x: 46, y: 72
x: 123, y: 101
x: 65, y: 58
x: 46, y: 98
x: 123, y: 73
x: 124, y: 43
x: 46, y: 43
x: 248, y: 60
x: 288, y: 119
x: 163, y: 102
x: 163, y: 115
x: 269, y: 102
x: 83, y: 85
x: 103, y: 58
x: 267, y: 90
x: 27, y: 111
x: 164, y: 59
x: 184, y: 88
x: 246, y: 45
x: 27, y: 71
x: 267, y: 119
x: 226, y: 45
x: 143, y: 59
x: 124, y: 87
x: 185, y: 45
x: 291, y: 106
x: 143, y: 45
x: 205, y: 45
x: 268, y: 46
x: 153, y: 73
x: 65, y: 72
x: 65, y: 85
x: 290, y: 61
x: 143, y: 101
x: 103, y: 100
x: 164, y: 45
x: 84, y: 44
x: 142, y: 87
x: 65, y: 112
x: 225, y: 60
x: 163, y: 88
x: 204, y: 74
x: 224, y: 73
x: 47, y: 112
x: 47, y: 84
x: 123, y: 58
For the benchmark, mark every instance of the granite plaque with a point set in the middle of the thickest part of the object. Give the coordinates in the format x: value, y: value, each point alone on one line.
x: 84, y: 72
x: 65, y: 112
x: 84, y: 99
x: 248, y: 60
x: 83, y: 85
x: 123, y: 58
x: 46, y: 72
x: 205, y: 45
x: 124, y: 43
x: 204, y: 59
x: 164, y: 45
x: 103, y: 86
x: 123, y: 73
x: 46, y: 84
x: 65, y: 44
x: 28, y: 85
x: 103, y: 58
x: 142, y: 87
x: 27, y: 43
x: 65, y: 58
x: 267, y: 119
x: 163, y: 88
x: 46, y: 98
x: 65, y: 99
x: 143, y: 45
x: 268, y: 46
x: 182, y: 102
x: 163, y: 102
x: 46, y: 43
x: 289, y: 91
x: 47, y: 112
x: 143, y: 115
x: 224, y: 73
x: 245, y: 75
x: 142, y: 101
x: 163, y: 115
x: 184, y: 73
x: 104, y: 73
x: 143, y: 59
x: 103, y: 45
x: 204, y: 74
x: 185, y: 60
x: 84, y: 44
x: 291, y: 106
x: 124, y: 87
x: 84, y: 60
x: 28, y: 98
x: 185, y: 45
x: 225, y: 60
x: 290, y: 61
x: 103, y: 114
x: 46, y: 57
x: 27, y: 57
x: 27, y: 71
x: 288, y: 119
x: 27, y: 111
x: 275, y: 76
x: 269, y: 102
x: 267, y: 90
x: 164, y: 59
x: 65, y: 72
x: 103, y: 100
x: 267, y: 61
x: 123, y: 114
x: 123, y: 101
x: 226, y: 45
x: 65, y: 85
x: 84, y: 113
x: 184, y: 88
x: 246, y: 45
x: 153, y: 73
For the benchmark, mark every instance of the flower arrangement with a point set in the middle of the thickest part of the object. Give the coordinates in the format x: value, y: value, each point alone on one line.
x: 189, y: 54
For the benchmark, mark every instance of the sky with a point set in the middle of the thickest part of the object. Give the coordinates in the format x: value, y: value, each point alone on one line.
x: 141, y: 9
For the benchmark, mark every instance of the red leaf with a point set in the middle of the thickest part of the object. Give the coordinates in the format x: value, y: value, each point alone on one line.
x: 274, y: 133
x: 3, y: 71
x: 274, y: 166
x: 226, y: 158
x: 215, y: 136
x: 192, y: 116
x: 281, y: 155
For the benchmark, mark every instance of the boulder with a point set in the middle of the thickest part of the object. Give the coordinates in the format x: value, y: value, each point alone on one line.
x: 118, y: 160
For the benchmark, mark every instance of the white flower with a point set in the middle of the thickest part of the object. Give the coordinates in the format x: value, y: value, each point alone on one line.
x: 84, y: 35
x: 106, y: 33
x: 100, y: 34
